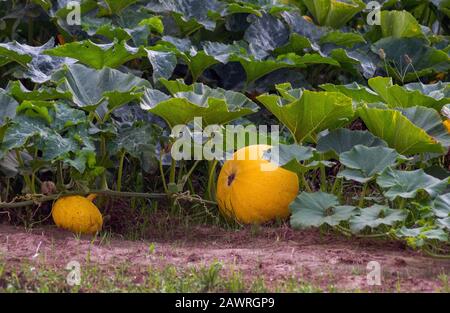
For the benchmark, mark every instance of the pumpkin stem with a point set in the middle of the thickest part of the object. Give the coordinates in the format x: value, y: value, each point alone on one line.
x: 91, y: 197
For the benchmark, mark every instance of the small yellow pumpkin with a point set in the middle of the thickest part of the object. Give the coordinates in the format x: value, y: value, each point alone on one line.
x: 447, y: 124
x: 251, y: 194
x: 77, y: 214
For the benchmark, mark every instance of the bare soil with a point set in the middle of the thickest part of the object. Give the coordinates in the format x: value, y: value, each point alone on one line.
x: 275, y: 253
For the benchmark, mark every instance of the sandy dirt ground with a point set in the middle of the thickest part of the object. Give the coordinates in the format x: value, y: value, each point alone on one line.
x: 275, y: 253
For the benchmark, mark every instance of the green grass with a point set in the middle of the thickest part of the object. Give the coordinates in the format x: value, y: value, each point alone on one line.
x: 125, y: 277
x: 443, y: 277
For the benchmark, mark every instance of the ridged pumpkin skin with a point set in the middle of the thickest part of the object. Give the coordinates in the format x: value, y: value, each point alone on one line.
x: 447, y: 124
x: 251, y: 195
x: 77, y: 214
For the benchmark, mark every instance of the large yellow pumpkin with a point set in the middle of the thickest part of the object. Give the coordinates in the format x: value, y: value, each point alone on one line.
x: 77, y: 214
x: 251, y: 194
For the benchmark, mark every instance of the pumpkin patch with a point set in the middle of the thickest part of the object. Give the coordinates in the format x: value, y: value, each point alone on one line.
x: 198, y: 119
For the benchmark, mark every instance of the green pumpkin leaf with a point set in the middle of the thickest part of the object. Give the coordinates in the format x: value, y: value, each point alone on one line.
x: 314, y: 165
x: 16, y: 52
x: 398, y: 131
x: 417, y: 236
x: 139, y: 141
x: 342, y: 140
x: 256, y: 68
x: 342, y: 39
x: 37, y: 109
x: 235, y: 8
x: 115, y: 6
x: 65, y: 116
x: 154, y: 23
x: 406, y: 184
x: 214, y: 106
x: 265, y: 34
x: 401, y: 53
x: 355, y: 91
x: 109, y: 31
x: 430, y: 121
x: 316, y: 209
x: 197, y: 12
x: 311, y: 114
x: 170, y: 47
x: 67, y: 133
x: 375, y: 216
x: 176, y: 86
x: 95, y: 55
x: 440, y: 91
x: 364, y: 163
x: 24, y: 128
x: 21, y: 93
x: 410, y: 95
x: 9, y: 166
x: 297, y: 44
x: 356, y: 61
x: 443, y: 223
x: 84, y: 159
x: 90, y: 87
x: 38, y: 66
x: 398, y: 24
x: 289, y: 156
x: 441, y: 206
x: 334, y: 13
x: 8, y: 107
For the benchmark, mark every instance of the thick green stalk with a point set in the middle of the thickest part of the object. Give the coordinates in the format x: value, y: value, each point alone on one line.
x: 120, y: 173
x: 173, y: 168
x: 323, y: 178
x: 104, y: 182
x: 59, y: 175
x: 188, y: 174
x: 211, y: 179
x: 402, y: 203
x: 335, y: 185
x: 305, y: 182
x: 8, y: 186
x: 434, y: 255
x: 363, y: 195
x: 25, y: 177
x: 109, y: 193
x: 163, y: 175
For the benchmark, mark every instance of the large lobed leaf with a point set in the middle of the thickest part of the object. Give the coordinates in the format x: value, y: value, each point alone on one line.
x: 90, y: 87
x: 342, y: 140
x: 214, y: 106
x: 364, y: 163
x: 95, y: 55
x: 375, y: 216
x: 398, y: 131
x: 312, y: 113
x: 316, y: 209
x: 334, y: 13
x: 407, y: 184
x: 38, y: 66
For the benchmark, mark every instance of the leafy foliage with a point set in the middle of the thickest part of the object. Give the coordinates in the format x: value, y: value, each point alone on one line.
x: 91, y: 106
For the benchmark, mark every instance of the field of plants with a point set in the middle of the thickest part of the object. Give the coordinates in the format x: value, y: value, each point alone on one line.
x: 225, y: 145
